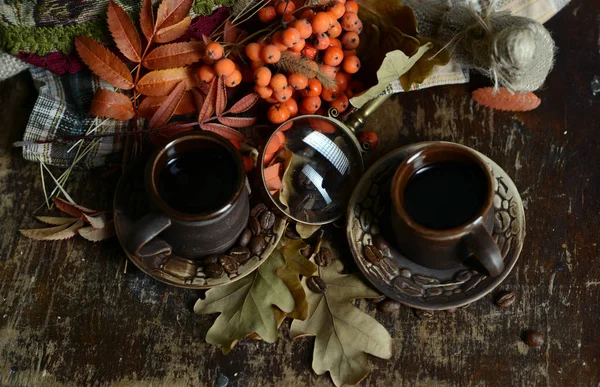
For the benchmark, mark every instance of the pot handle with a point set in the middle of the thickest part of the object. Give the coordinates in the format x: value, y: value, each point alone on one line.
x: 484, y: 247
x: 356, y: 120
x: 143, y: 240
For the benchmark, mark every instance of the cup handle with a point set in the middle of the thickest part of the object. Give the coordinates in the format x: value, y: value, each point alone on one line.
x: 143, y: 241
x: 483, y: 246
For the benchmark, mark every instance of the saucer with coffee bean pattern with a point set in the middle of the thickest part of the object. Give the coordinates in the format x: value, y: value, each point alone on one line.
x: 395, y: 275
x: 254, y: 246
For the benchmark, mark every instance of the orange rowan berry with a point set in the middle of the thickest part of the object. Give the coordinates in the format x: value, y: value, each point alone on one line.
x: 309, y: 105
x: 342, y: 79
x: 350, y: 40
x: 214, y: 50
x: 256, y: 64
x: 205, y: 73
x: 299, y: 47
x: 262, y: 76
x: 349, y: 21
x: 297, y: 81
x: 292, y: 106
x: 310, y: 51
x: 335, y: 30
x: 313, y: 88
x: 340, y: 103
x: 234, y: 79
x: 278, y: 113
x: 333, y: 56
x: 277, y: 41
x: 307, y: 14
x: 351, y: 64
x: 335, y: 42
x: 329, y: 94
x: 278, y: 82
x: 320, y: 41
x: 303, y: 26
x: 351, y: 6
x: 224, y: 67
x: 271, y: 100
x: 337, y: 9
x: 283, y: 94
x: 358, y: 27
x: 267, y: 14
x: 270, y: 54
x: 321, y: 22
x: 253, y: 51
x: 264, y: 91
x: 290, y: 37
x: 285, y: 7
x: 329, y: 71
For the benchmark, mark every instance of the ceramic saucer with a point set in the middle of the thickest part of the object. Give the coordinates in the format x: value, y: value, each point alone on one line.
x: 131, y: 203
x: 401, y: 279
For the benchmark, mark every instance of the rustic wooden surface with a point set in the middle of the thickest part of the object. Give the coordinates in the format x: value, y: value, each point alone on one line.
x: 70, y: 316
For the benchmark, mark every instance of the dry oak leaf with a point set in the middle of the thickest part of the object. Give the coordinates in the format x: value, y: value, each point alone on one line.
x: 108, y: 103
x: 147, y: 19
x: 103, y: 63
x: 503, y: 99
x: 170, y: 33
x: 123, y: 32
x: 162, y: 82
x: 150, y: 105
x: 165, y: 112
x: 344, y: 334
x: 174, y: 55
x: 171, y: 12
x: 246, y: 306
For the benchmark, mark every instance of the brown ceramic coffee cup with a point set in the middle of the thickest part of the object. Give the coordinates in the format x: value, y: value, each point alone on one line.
x: 198, y: 199
x: 443, y: 210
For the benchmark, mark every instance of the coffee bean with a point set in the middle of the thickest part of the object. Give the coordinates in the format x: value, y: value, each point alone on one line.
x: 380, y: 242
x: 213, y: 270
x: 254, y: 225
x: 424, y: 314
x: 291, y: 234
x: 316, y: 284
x: 324, y: 257
x: 257, y: 210
x: 241, y: 254
x: 505, y: 299
x: 534, y: 338
x: 229, y: 264
x: 372, y: 254
x: 245, y: 238
x: 257, y: 245
x: 388, y: 306
x: 211, y: 259
x: 267, y: 219
x: 307, y: 251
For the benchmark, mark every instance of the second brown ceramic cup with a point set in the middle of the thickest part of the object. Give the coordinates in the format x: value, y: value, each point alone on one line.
x: 168, y: 229
x: 446, y: 248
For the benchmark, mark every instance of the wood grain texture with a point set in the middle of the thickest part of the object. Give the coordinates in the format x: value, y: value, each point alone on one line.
x: 70, y: 316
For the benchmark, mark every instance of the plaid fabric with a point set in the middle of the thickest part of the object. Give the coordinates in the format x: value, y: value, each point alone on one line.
x: 61, y: 111
x: 452, y: 73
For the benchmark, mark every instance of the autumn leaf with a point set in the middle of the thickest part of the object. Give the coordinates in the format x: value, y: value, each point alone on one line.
x: 170, y: 33
x: 208, y: 107
x: 221, y: 102
x: 70, y: 208
x: 103, y: 63
x: 98, y: 234
x: 172, y: 12
x: 237, y: 122
x: 306, y: 230
x: 147, y: 19
x: 97, y: 221
x: 503, y: 99
x: 246, y: 306
x: 162, y: 82
x: 198, y: 99
x: 224, y: 131
x: 230, y: 32
x: 245, y: 103
x: 108, y: 103
x: 150, y: 105
x: 123, y: 32
x: 395, y: 64
x: 56, y: 233
x: 344, y: 334
x: 56, y: 221
x: 174, y: 55
x: 165, y: 112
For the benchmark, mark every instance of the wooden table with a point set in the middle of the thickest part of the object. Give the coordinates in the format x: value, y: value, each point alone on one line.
x: 70, y: 315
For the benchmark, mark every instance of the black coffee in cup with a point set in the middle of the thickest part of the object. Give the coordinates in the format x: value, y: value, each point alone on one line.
x: 445, y: 195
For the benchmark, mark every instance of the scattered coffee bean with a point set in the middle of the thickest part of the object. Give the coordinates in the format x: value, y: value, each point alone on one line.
x: 267, y: 219
x: 380, y: 242
x: 424, y: 314
x: 213, y: 270
x: 241, y: 254
x: 229, y: 264
x: 316, y: 284
x: 505, y: 299
x: 245, y: 238
x: 307, y: 251
x: 254, y: 225
x: 388, y: 306
x: 211, y: 259
x: 372, y: 254
x: 291, y: 234
x: 257, y: 245
x: 257, y: 210
x: 324, y: 257
x: 534, y: 338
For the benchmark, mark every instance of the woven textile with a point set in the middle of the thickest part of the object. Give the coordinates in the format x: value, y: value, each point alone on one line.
x: 60, y: 111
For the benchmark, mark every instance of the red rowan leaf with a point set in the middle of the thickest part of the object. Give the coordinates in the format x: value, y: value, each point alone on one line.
x: 208, y: 108
x: 165, y: 112
x: 224, y: 131
x: 147, y: 19
x: 172, y: 12
x: 170, y: 33
x: 108, y: 103
x: 245, y: 103
x: 71, y: 209
x: 123, y: 32
x: 198, y: 98
x: 103, y: 63
x: 221, y: 102
x: 174, y: 55
x: 237, y: 122
x: 150, y: 105
x: 162, y: 82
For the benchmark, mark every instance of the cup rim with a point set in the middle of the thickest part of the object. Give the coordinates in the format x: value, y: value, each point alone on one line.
x: 403, y: 174
x: 184, y: 137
